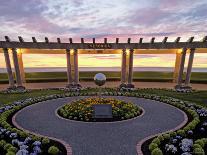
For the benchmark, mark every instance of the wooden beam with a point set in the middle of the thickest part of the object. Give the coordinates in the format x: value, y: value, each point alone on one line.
x: 152, y: 40
x: 94, y: 40
x: 204, y: 39
x: 117, y: 40
x: 190, y: 40
x: 164, y: 40
x: 21, y: 39
x: 177, y: 40
x: 58, y: 40
x: 34, y: 40
x: 70, y: 40
x: 129, y: 40
x: 105, y: 40
x: 7, y: 39
x: 140, y: 40
x: 82, y: 40
x: 55, y: 45
x: 46, y: 40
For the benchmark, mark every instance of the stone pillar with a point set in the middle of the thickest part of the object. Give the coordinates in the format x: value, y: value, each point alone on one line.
x: 76, y: 74
x: 69, y: 74
x: 181, y: 69
x: 177, y: 66
x: 17, y: 70
x: 21, y: 66
x: 123, y: 68
x: 130, y: 76
x: 9, y: 69
x: 190, y: 65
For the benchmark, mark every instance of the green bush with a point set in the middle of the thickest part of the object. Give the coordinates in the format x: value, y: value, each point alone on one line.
x: 2, y: 143
x: 152, y: 146
x: 10, y: 153
x: 53, y: 150
x: 196, y: 146
x: 45, y: 141
x: 7, y: 146
x: 200, y: 142
x: 156, y: 141
x: 12, y: 149
x: 198, y: 151
x: 157, y: 151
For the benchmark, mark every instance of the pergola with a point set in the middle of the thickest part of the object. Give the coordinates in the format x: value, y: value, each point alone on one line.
x: 127, y: 50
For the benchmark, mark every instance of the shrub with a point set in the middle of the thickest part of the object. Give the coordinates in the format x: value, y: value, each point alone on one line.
x: 157, y: 151
x: 181, y: 133
x: 53, y: 150
x: 12, y: 149
x: 2, y: 143
x: 10, y: 153
x: 45, y: 141
x: 152, y: 146
x: 200, y: 142
x: 198, y: 151
x: 7, y: 146
x: 156, y: 141
x: 196, y: 146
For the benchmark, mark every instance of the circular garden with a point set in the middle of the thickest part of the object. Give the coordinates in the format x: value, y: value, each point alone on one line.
x: 190, y: 139
x: 82, y: 110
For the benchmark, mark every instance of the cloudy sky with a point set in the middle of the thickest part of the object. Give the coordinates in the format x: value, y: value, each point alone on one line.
x: 103, y: 18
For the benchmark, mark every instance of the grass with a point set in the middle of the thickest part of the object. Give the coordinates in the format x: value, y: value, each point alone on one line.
x: 199, y: 97
x: 9, y: 98
x: 200, y: 77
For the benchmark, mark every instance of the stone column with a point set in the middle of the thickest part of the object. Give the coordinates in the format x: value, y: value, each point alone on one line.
x: 9, y: 69
x: 123, y: 69
x: 69, y: 74
x: 21, y: 66
x: 130, y: 76
x: 76, y: 74
x: 181, y: 69
x: 177, y: 66
x: 190, y: 65
x: 17, y: 70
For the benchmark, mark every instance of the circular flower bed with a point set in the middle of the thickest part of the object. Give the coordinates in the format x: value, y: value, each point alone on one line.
x: 82, y: 110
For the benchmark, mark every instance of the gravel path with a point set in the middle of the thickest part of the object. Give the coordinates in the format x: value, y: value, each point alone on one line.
x: 117, y: 138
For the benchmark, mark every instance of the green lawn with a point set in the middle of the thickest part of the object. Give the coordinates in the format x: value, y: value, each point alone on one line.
x: 142, y: 76
x: 199, y: 97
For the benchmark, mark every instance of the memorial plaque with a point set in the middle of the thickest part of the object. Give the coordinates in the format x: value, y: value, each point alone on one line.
x: 102, y: 111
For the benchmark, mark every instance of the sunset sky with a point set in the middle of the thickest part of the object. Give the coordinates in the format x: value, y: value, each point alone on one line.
x: 100, y: 19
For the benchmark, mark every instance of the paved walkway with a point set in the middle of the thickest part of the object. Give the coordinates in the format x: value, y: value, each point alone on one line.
x: 115, y: 138
x: 108, y: 84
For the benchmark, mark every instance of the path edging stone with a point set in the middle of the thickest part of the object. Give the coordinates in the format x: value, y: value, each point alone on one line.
x: 67, y: 146
x: 140, y: 143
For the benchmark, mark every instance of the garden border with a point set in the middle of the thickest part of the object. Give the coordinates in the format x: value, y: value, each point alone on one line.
x: 142, y: 114
x: 139, y: 144
x: 67, y: 146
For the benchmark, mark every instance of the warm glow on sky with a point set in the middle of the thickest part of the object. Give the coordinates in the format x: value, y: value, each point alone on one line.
x: 105, y: 60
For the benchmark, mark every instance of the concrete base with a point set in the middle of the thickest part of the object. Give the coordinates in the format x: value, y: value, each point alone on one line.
x: 74, y: 86
x: 122, y: 85
x: 20, y: 88
x: 183, y: 88
x: 129, y: 85
x: 12, y: 88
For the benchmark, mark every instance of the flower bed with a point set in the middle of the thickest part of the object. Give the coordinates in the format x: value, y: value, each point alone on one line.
x: 82, y: 110
x: 191, y: 139
x: 14, y: 141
